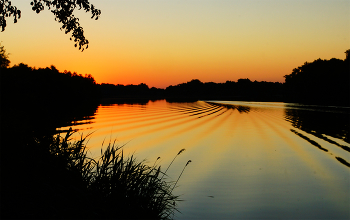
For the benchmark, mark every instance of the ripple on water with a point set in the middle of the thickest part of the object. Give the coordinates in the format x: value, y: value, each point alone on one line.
x: 250, y: 159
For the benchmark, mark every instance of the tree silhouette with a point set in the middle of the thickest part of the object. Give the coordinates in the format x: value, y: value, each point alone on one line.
x: 63, y: 11
x: 320, y: 82
x: 7, y: 10
x: 4, y: 61
x: 242, y: 90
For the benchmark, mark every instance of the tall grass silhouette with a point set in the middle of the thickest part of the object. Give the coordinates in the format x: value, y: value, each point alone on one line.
x: 188, y: 162
x: 182, y: 150
x: 115, y: 187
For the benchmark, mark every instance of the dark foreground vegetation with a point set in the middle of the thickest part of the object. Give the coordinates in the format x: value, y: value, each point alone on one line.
x: 53, y: 177
x: 47, y: 175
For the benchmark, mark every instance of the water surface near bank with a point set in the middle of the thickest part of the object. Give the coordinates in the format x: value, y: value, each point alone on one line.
x: 250, y: 159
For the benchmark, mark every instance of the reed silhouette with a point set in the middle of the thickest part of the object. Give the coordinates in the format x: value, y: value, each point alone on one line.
x: 57, y: 179
x: 182, y: 150
x: 48, y: 176
x: 188, y: 162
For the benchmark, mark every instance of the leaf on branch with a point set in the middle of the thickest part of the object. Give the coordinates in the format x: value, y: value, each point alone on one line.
x: 7, y: 10
x: 63, y: 12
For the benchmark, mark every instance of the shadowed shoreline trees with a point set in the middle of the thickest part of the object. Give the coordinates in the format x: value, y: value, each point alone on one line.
x: 128, y: 93
x: 50, y: 177
x: 37, y: 101
x: 242, y: 90
x: 24, y: 83
x: 34, y: 102
x: 321, y: 82
x: 194, y: 90
x: 325, y: 82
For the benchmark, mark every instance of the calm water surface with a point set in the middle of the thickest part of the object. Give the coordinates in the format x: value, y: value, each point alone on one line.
x: 250, y: 160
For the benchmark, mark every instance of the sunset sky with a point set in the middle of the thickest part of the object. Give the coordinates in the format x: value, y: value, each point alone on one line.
x: 167, y: 42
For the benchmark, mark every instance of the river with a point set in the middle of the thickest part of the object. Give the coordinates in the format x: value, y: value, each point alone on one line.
x: 250, y: 160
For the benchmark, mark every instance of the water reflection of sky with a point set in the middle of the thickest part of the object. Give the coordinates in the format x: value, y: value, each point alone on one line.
x: 250, y: 160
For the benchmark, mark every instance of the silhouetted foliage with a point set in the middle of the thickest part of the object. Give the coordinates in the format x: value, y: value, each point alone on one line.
x: 37, y: 101
x: 188, y: 92
x: 34, y: 103
x: 45, y: 177
x: 52, y: 177
x: 4, y: 59
x: 8, y: 10
x: 320, y: 82
x: 25, y: 83
x: 243, y: 90
x: 347, y: 54
x: 63, y: 11
x: 141, y: 92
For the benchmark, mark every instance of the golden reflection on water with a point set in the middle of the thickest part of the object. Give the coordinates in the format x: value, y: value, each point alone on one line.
x: 250, y: 160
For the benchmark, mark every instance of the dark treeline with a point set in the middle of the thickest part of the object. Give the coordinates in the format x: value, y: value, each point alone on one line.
x: 26, y: 83
x: 323, y: 82
x: 320, y: 82
x: 242, y: 90
x: 40, y: 100
x: 44, y: 98
x: 50, y: 87
x: 44, y: 176
x: 34, y: 103
x: 128, y: 93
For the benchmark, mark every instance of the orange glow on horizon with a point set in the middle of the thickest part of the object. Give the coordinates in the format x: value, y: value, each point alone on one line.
x: 168, y: 43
